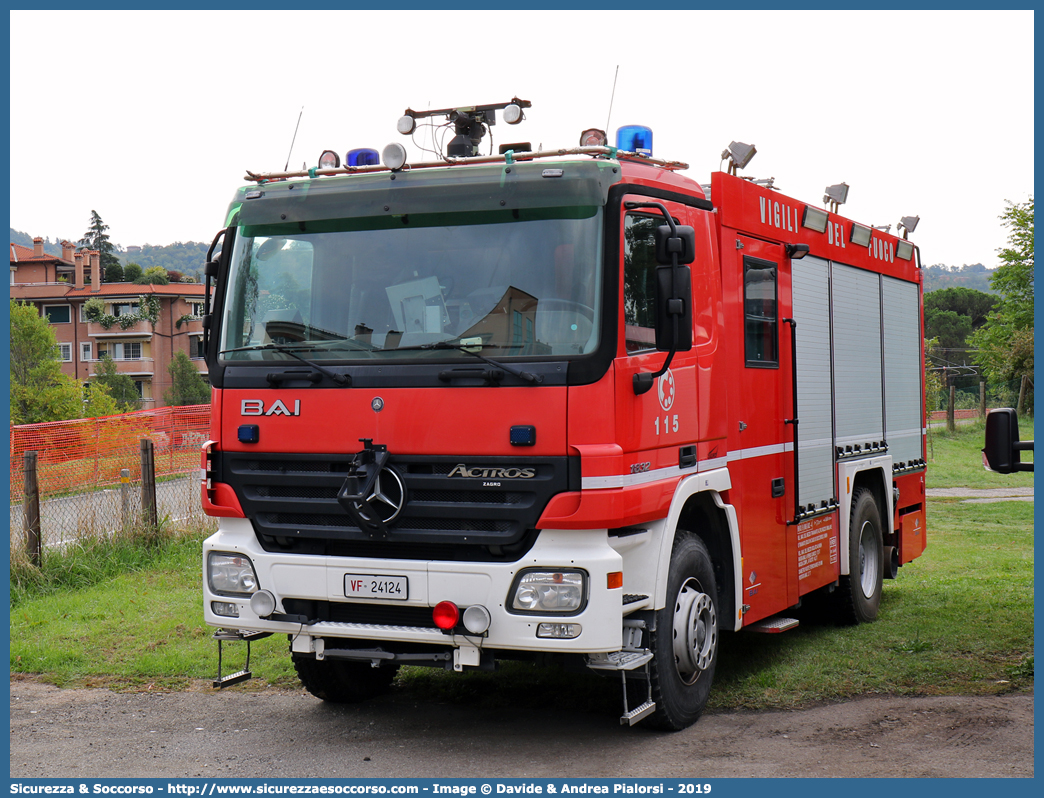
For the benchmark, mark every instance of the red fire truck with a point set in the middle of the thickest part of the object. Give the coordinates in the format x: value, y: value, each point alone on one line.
x: 551, y: 404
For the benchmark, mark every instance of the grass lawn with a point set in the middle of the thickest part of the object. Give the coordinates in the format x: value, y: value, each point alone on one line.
x: 957, y: 620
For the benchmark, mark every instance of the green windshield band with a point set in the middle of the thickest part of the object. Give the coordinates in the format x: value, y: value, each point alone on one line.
x: 420, y: 220
x: 233, y: 211
x: 547, y: 184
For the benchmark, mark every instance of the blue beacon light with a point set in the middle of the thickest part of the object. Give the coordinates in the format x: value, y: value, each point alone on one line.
x: 635, y: 138
x: 363, y: 157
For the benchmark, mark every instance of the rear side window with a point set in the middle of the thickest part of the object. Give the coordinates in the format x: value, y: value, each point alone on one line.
x: 760, y: 328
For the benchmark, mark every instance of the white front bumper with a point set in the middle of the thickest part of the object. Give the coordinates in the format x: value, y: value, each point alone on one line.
x: 430, y: 581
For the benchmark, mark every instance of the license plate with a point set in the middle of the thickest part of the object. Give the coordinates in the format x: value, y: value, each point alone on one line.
x: 380, y: 587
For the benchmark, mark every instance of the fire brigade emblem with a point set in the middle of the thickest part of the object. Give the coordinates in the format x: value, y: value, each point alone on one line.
x: 665, y: 390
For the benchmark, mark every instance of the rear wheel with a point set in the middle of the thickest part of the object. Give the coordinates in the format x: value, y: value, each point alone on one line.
x: 685, y: 641
x: 860, y: 591
x: 343, y: 682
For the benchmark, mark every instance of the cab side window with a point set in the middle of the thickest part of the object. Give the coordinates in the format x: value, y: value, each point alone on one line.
x: 760, y: 328
x: 640, y: 282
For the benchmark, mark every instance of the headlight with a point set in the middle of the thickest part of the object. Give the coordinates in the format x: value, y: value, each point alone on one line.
x: 231, y: 574
x: 547, y: 591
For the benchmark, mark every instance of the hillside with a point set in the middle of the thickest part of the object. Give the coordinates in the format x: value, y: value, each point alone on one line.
x: 186, y: 258
x: 975, y: 276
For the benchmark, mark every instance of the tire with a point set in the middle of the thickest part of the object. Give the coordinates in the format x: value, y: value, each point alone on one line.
x: 685, y: 641
x: 860, y: 591
x: 343, y: 682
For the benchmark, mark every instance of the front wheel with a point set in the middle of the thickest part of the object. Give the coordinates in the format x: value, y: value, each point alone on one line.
x: 685, y: 641
x: 343, y: 682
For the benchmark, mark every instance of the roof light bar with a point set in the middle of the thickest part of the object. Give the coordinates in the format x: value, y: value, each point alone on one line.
x: 329, y: 160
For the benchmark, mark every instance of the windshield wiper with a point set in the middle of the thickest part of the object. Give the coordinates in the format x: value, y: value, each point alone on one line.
x: 527, y: 376
x: 339, y: 379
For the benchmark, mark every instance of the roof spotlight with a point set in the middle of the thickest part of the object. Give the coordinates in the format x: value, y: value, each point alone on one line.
x: 512, y: 114
x: 739, y: 155
x: 329, y: 160
x: 861, y: 234
x: 406, y: 124
x: 836, y: 195
x: 909, y: 224
x: 394, y: 156
x: 593, y: 137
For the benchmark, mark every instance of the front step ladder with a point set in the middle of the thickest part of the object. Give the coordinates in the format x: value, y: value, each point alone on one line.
x: 774, y: 625
x: 624, y: 661
x: 233, y: 635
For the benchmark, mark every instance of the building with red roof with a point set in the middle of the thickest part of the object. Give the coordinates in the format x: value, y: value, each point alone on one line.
x: 59, y: 287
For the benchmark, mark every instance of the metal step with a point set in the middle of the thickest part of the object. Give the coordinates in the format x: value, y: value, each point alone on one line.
x: 636, y: 714
x: 619, y: 660
x: 773, y: 625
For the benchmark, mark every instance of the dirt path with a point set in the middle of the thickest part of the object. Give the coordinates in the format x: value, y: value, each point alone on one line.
x: 982, y: 495
x: 279, y: 733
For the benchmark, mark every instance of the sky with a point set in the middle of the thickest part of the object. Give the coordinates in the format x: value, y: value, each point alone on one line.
x: 152, y: 118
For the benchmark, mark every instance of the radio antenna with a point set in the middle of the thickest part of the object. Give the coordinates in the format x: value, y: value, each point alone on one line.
x: 611, y: 98
x: 293, y: 139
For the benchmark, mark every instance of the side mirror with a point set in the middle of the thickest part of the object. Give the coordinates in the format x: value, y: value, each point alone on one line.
x: 674, y: 244
x: 1001, y: 452
x: 671, y: 303
x: 683, y: 242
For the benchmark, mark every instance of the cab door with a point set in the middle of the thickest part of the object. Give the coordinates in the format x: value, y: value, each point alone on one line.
x: 656, y: 429
x: 762, y: 414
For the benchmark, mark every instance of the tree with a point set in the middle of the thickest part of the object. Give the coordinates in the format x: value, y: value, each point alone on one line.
x: 97, y: 238
x: 119, y: 386
x: 187, y: 386
x: 976, y: 305
x: 39, y: 390
x: 154, y: 275
x: 114, y: 273
x: 1005, y: 341
x: 949, y: 328
x: 131, y: 272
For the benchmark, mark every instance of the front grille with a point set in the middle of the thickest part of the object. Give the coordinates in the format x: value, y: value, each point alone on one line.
x: 347, y: 612
x: 297, y: 520
x: 292, y: 500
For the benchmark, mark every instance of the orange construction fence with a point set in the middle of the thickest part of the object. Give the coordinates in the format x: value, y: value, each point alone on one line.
x: 84, y: 453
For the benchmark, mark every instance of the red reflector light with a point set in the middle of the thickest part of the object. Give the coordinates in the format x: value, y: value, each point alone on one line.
x: 445, y: 615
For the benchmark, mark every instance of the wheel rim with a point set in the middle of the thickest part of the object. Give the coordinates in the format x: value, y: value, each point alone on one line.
x: 695, y: 631
x: 869, y: 563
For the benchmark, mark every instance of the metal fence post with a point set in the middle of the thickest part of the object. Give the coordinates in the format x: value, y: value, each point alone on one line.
x: 982, y: 398
x: 31, y: 511
x: 125, y: 498
x: 148, y: 486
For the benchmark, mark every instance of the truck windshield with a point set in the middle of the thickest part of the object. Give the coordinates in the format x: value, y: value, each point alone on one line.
x: 522, y: 283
